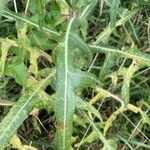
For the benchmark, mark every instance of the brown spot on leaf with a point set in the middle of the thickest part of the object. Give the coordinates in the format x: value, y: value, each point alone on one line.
x: 62, y: 127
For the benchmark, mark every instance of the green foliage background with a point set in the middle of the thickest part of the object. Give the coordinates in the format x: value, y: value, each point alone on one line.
x: 74, y: 74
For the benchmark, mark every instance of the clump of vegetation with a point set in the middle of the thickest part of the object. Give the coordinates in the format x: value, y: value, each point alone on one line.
x: 74, y: 74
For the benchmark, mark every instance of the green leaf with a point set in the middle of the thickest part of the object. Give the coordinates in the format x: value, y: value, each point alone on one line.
x: 19, y: 112
x: 88, y: 107
x: 114, y: 6
x: 88, y: 9
x: 112, y: 117
x: 125, y: 16
x: 134, y: 53
x: 16, y: 144
x: 140, y: 144
x: 3, y: 5
x: 110, y: 145
x: 18, y: 72
x: 65, y: 96
x: 15, y: 117
x: 80, y: 121
x: 89, y: 139
x: 40, y: 11
x: 5, y: 45
x: 125, y: 141
x: 64, y: 7
x: 9, y: 14
x: 40, y: 39
x: 107, y: 65
x: 127, y: 76
x: 77, y: 42
x: 83, y: 79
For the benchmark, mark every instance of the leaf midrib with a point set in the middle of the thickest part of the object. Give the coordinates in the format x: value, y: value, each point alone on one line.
x: 28, y: 101
x: 117, y: 51
x: 66, y: 79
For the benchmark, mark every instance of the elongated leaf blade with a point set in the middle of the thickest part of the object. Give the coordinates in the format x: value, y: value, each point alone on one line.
x: 19, y: 113
x: 9, y: 15
x: 113, y: 12
x: 65, y: 97
x: 88, y: 107
x: 104, y: 36
x: 142, y: 57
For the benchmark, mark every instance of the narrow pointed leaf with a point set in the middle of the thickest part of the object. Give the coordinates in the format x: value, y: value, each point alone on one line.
x: 108, y: 64
x: 9, y: 14
x: 18, y: 113
x: 88, y: 9
x: 65, y: 97
x: 88, y: 107
x: 128, y: 73
x: 5, y: 45
x: 104, y: 36
x: 136, y: 54
x: 113, y: 12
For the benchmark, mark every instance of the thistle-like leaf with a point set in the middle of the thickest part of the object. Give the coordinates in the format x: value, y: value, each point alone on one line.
x: 19, y: 112
x: 81, y: 104
x: 114, y: 6
x: 128, y: 73
x: 125, y: 16
x: 65, y: 96
x: 143, y: 58
x: 5, y: 45
x: 88, y: 9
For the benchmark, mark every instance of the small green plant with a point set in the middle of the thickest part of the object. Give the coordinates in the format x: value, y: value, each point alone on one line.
x: 85, y: 63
